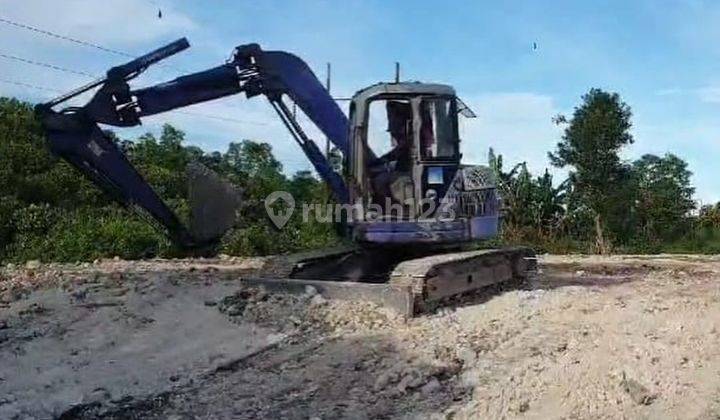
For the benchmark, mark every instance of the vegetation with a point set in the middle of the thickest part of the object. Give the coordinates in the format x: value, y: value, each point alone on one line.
x: 605, y: 205
x: 48, y: 212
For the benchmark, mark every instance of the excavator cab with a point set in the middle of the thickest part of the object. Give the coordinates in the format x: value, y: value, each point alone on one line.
x: 405, y: 172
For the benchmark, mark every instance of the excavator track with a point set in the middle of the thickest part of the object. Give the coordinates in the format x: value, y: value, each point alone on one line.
x: 407, y: 281
x: 437, y: 277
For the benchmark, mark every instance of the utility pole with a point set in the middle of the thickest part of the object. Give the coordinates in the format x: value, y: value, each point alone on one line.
x: 397, y: 72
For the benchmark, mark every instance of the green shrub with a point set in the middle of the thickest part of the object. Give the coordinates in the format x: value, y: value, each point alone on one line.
x: 87, y: 234
x: 702, y: 240
x: 9, y: 205
x: 540, y: 241
x: 258, y: 239
x: 261, y: 238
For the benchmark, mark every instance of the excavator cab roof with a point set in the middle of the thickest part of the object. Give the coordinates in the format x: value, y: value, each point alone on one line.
x: 403, y: 88
x: 408, y: 89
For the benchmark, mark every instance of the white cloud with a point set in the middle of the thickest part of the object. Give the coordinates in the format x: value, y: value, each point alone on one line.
x: 708, y: 94
x: 517, y: 125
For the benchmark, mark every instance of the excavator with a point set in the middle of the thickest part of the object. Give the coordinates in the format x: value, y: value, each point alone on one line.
x: 414, y: 213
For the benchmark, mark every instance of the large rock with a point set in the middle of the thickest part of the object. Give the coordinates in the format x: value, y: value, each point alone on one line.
x: 33, y: 264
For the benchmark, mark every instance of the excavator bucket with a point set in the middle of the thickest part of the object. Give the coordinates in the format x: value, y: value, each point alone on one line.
x: 214, y: 203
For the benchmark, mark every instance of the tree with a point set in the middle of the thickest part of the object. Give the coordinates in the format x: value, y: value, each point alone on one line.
x: 514, y: 187
x: 303, y: 186
x: 527, y: 202
x: 252, y: 166
x: 163, y: 162
x: 27, y: 170
x: 664, y: 196
x: 34, y: 186
x: 599, y: 128
x: 547, y: 203
x: 709, y: 216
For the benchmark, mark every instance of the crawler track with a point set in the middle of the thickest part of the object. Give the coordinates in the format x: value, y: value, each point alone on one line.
x: 408, y: 281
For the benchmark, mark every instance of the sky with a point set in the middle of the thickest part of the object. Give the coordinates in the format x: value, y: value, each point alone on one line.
x: 662, y: 57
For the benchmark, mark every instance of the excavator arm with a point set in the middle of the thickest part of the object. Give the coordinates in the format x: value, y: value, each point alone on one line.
x: 74, y: 135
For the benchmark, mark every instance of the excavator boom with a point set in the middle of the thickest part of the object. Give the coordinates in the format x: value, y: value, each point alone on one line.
x: 74, y: 134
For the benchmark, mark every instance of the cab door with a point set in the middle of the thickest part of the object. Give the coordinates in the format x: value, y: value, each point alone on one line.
x: 437, y: 151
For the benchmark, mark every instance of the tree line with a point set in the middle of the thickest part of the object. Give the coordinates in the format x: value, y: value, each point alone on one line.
x: 49, y: 212
x: 606, y: 204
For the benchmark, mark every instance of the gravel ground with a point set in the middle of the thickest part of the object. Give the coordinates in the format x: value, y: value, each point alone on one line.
x: 588, y: 337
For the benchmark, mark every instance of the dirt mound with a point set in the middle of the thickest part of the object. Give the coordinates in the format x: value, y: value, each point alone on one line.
x: 587, y: 337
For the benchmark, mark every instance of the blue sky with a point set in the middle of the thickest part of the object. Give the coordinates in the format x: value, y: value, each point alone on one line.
x: 663, y: 57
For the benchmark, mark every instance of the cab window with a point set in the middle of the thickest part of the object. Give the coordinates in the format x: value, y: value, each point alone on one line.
x: 437, y: 132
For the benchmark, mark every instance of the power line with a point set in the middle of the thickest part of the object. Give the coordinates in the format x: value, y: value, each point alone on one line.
x: 28, y: 85
x: 79, y: 42
x: 219, y: 118
x: 66, y: 38
x: 47, y: 65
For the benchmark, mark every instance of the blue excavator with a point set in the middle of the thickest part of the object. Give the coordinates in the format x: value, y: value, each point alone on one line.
x: 413, y: 211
